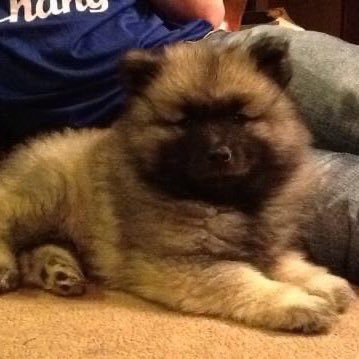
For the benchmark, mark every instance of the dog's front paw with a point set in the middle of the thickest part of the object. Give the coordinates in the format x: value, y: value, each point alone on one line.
x: 335, y: 290
x: 9, y: 279
x: 299, y: 311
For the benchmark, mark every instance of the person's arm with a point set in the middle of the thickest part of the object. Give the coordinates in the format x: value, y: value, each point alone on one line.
x: 234, y: 12
x: 214, y: 11
x: 211, y: 10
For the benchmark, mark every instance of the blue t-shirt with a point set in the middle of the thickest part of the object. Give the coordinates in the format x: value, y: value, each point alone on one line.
x: 59, y: 58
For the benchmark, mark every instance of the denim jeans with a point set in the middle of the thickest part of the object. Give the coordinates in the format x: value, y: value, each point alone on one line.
x: 325, y: 86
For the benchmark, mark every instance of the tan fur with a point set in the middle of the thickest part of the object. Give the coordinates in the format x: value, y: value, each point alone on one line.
x: 293, y: 268
x: 186, y: 254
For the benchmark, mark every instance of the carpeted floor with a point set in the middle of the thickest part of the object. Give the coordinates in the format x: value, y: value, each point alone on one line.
x: 35, y: 325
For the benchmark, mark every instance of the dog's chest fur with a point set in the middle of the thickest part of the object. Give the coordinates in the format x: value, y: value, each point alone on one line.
x: 175, y: 227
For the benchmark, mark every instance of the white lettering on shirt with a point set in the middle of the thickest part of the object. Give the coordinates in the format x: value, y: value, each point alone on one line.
x: 54, y: 7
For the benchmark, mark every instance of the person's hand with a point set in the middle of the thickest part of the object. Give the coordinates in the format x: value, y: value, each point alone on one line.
x: 234, y: 10
x: 214, y: 11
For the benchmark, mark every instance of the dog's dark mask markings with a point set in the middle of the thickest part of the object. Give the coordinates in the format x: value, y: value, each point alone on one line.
x: 217, y: 161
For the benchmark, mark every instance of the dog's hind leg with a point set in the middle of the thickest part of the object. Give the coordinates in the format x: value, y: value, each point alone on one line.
x: 32, y: 201
x: 9, y: 274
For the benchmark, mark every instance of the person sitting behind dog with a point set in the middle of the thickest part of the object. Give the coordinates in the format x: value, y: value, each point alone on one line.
x: 59, y: 59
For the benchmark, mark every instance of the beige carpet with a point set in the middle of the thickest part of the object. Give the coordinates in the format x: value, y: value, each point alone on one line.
x: 37, y: 325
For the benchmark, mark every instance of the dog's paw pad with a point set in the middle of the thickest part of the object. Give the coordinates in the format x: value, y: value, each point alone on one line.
x: 63, y: 279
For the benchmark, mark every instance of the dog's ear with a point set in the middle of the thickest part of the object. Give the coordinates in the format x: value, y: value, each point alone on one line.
x: 272, y: 57
x: 138, y: 68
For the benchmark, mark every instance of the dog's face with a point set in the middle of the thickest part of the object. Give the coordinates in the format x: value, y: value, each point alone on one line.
x: 213, y: 121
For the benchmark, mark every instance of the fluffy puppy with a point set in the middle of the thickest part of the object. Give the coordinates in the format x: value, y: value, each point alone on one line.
x: 192, y: 199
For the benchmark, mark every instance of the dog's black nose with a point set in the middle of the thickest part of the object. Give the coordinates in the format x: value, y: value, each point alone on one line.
x: 220, y: 154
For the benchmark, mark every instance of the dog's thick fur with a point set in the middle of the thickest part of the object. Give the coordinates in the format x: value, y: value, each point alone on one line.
x: 192, y: 199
